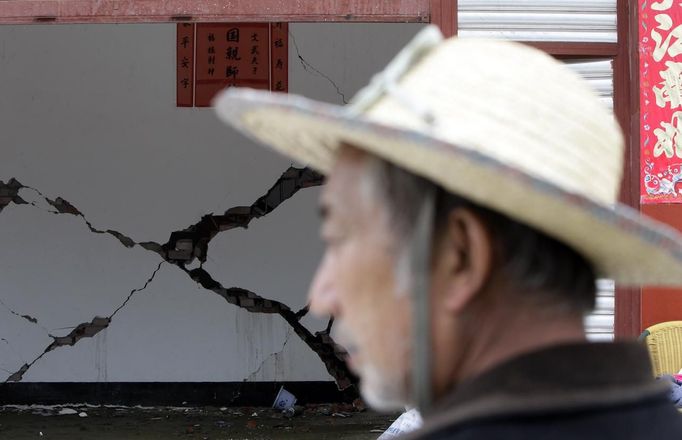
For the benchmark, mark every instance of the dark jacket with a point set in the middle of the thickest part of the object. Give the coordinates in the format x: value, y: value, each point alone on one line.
x: 582, y: 391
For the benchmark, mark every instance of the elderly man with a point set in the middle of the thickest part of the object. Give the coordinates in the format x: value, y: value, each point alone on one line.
x: 470, y: 205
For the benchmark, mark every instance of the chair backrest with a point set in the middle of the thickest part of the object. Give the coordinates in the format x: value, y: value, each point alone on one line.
x: 664, y: 342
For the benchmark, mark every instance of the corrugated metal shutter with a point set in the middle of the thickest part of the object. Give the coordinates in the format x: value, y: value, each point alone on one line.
x: 599, y: 324
x: 564, y: 21
x: 599, y: 73
x: 539, y: 20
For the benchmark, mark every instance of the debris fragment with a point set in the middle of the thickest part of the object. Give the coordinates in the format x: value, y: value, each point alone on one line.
x: 343, y: 415
x: 359, y: 405
x: 284, y: 400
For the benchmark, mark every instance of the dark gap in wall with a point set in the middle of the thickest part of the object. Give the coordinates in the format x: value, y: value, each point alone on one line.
x: 192, y: 242
x: 321, y: 343
x: 9, y: 193
x: 169, y: 393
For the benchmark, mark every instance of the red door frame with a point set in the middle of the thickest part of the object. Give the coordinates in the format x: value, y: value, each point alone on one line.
x: 626, y: 93
x: 163, y: 11
x: 444, y: 14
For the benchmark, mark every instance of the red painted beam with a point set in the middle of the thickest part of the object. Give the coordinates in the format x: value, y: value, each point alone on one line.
x: 657, y: 304
x: 444, y: 15
x: 160, y: 11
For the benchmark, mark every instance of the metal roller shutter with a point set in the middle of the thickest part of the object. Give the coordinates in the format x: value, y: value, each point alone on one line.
x: 599, y: 325
x: 599, y: 73
x: 585, y: 21
x: 539, y: 20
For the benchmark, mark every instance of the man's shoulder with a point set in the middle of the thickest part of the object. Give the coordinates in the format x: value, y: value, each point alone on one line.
x: 645, y: 420
x: 562, y: 392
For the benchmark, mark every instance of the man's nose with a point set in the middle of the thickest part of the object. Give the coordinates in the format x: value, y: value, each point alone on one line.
x: 322, y: 294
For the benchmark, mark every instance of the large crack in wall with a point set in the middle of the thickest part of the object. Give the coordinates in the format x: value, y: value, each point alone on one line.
x: 321, y: 343
x: 192, y: 243
x: 9, y: 193
x: 63, y: 206
x: 81, y: 331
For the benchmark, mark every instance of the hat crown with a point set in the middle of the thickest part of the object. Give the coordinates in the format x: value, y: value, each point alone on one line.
x: 499, y: 123
x: 513, y: 104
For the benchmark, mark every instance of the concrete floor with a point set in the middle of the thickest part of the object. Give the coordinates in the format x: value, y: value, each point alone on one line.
x: 318, y: 422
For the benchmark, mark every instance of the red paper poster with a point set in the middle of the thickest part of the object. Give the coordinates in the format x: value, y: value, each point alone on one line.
x: 212, y: 56
x: 280, y: 57
x: 185, y: 65
x: 660, y: 47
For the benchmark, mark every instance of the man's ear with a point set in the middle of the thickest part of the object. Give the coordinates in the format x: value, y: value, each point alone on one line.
x: 464, y: 258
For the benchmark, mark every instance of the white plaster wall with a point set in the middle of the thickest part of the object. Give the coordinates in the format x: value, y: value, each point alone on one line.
x: 88, y: 113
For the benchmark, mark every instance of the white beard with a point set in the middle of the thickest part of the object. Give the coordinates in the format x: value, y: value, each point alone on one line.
x: 383, y: 391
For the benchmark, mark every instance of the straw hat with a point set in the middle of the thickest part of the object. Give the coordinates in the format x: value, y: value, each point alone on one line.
x: 499, y: 123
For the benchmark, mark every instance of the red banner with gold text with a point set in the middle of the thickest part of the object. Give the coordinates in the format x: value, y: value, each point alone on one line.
x: 660, y: 70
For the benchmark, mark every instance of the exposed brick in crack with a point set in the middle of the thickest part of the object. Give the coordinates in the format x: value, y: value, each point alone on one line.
x: 18, y: 375
x: 328, y: 330
x: 321, y: 343
x: 192, y: 242
x: 186, y: 245
x: 9, y: 193
x: 304, y: 311
x: 63, y: 206
x: 81, y: 331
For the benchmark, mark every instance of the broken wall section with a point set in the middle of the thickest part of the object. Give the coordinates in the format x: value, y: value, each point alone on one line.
x: 89, y: 121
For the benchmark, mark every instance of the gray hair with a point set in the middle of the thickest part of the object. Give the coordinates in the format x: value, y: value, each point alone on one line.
x: 547, y: 271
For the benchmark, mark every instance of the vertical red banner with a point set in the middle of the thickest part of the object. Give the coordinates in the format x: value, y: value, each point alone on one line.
x: 660, y: 49
x: 185, y: 65
x: 279, y: 57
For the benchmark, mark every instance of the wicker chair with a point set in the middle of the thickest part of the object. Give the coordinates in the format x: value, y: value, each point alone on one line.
x: 664, y: 342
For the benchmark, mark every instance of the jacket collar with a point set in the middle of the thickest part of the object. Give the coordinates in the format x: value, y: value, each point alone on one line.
x: 562, y: 378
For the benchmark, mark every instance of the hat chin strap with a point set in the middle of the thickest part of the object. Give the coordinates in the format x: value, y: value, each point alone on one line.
x: 420, y: 248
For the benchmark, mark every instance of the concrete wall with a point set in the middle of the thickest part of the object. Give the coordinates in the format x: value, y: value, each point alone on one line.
x: 87, y: 113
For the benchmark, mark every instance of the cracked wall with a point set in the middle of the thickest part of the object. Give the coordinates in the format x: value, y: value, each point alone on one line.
x: 90, y: 127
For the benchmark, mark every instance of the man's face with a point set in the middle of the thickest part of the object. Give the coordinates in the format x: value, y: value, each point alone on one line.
x: 356, y: 283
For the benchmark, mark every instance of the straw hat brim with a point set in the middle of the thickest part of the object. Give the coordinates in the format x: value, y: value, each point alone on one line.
x: 623, y: 245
